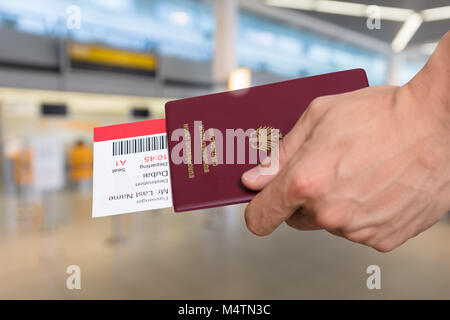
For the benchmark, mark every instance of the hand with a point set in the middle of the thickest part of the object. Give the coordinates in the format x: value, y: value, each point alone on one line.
x: 372, y: 166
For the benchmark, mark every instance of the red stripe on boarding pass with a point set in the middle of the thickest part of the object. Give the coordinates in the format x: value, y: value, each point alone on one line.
x: 129, y: 130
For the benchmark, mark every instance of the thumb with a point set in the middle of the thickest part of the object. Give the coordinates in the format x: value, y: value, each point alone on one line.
x: 255, y: 178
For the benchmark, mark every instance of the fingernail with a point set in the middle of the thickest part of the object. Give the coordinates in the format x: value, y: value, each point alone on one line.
x: 252, y: 174
x: 266, y: 161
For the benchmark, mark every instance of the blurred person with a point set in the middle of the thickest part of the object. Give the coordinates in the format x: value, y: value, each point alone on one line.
x: 23, y: 167
x: 80, y: 164
x: 372, y: 165
x: 29, y: 200
x: 10, y: 173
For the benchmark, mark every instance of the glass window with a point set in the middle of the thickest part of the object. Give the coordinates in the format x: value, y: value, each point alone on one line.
x: 182, y: 28
x: 268, y: 45
x: 408, y: 67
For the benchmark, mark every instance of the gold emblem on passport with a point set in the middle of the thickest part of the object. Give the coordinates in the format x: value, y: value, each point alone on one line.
x: 262, y: 138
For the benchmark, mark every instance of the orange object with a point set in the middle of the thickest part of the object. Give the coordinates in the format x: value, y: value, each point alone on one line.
x: 23, y: 167
x: 80, y: 159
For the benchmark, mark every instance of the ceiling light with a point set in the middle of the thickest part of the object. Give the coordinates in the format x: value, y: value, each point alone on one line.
x: 428, y: 48
x: 435, y: 14
x: 395, y: 14
x: 343, y: 8
x: 180, y: 18
x: 239, y: 78
x: 406, y: 32
x: 301, y: 5
x: 339, y: 7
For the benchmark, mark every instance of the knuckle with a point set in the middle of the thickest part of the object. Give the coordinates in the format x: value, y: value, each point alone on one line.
x: 300, y: 186
x: 384, y: 247
x: 359, y: 236
x: 315, y: 108
x: 316, y: 103
x: 431, y: 159
x: 328, y: 219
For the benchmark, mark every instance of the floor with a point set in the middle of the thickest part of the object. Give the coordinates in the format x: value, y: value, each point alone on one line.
x: 199, y: 255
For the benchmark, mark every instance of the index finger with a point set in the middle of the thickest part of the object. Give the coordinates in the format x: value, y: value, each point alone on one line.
x: 275, y: 203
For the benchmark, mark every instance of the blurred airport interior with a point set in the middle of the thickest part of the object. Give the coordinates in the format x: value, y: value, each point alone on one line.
x: 67, y: 66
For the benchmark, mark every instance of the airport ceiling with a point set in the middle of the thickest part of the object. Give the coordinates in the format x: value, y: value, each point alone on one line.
x: 428, y: 31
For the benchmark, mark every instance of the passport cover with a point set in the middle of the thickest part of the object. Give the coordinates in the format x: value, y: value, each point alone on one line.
x: 278, y: 105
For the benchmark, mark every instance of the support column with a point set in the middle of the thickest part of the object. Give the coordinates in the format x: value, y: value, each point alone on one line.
x: 394, y: 64
x: 224, y: 60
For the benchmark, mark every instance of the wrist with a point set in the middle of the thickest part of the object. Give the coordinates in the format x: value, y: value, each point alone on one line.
x: 430, y: 87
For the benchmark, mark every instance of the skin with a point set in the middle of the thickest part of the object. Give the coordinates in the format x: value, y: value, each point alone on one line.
x: 372, y: 165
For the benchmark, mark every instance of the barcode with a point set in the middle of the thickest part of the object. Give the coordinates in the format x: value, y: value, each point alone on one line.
x: 139, y: 145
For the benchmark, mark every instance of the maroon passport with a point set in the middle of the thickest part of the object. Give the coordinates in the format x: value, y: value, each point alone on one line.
x: 278, y: 105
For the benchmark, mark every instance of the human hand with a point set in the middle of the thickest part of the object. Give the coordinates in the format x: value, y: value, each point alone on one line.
x: 372, y: 166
